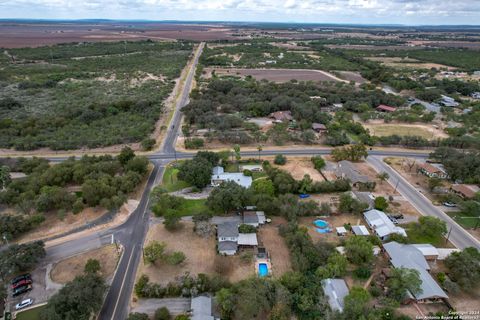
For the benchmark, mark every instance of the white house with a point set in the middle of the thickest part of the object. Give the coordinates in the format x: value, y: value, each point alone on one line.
x: 381, y: 224
x: 227, y: 236
x: 219, y: 176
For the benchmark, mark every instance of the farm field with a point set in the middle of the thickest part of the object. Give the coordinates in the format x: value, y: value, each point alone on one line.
x: 86, y: 95
x: 275, y: 75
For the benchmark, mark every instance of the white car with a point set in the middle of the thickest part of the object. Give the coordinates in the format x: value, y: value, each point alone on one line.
x: 23, y: 304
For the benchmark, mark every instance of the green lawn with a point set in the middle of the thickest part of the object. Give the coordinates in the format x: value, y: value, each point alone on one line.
x: 466, y: 221
x: 32, y: 314
x: 192, y: 207
x: 170, y: 181
x: 415, y: 237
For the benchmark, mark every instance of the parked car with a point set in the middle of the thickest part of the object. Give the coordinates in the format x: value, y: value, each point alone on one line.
x: 21, y: 277
x: 398, y: 216
x: 21, y: 283
x: 23, y: 304
x: 21, y: 290
x: 392, y: 219
x: 449, y: 204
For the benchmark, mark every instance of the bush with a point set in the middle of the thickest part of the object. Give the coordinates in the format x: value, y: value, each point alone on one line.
x: 194, y: 143
x: 162, y: 314
x: 92, y: 266
x: 148, y: 144
x: 362, y: 272
x: 280, y: 159
x: 375, y: 291
x: 176, y: 258
x: 441, y: 277
x: 318, y: 163
x: 78, y: 206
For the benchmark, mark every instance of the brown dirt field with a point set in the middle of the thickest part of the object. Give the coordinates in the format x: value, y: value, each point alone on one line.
x: 401, y: 63
x: 334, y: 221
x: 277, y: 75
x: 300, y: 166
x: 66, y: 270
x: 384, y: 188
x: 35, y: 35
x: 352, y: 76
x: 370, y: 47
x: 200, y: 253
x: 378, y: 128
x: 277, y: 248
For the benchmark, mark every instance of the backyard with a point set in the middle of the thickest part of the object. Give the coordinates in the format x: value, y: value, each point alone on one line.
x: 30, y: 314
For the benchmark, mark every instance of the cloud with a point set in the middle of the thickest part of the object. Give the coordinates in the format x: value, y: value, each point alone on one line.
x: 356, y: 11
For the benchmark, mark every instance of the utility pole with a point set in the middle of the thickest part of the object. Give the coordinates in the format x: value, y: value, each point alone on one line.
x: 448, y: 235
x: 396, y: 185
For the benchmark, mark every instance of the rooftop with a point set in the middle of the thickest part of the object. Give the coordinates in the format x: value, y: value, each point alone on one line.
x: 360, y: 230
x: 346, y: 170
x: 382, y: 225
x: 239, y: 178
x: 467, y: 190
x: 201, y: 308
x: 383, y: 107
x: 247, y: 239
x: 250, y: 217
x: 336, y: 290
x: 227, y: 229
x: 409, y: 256
x: 227, y: 246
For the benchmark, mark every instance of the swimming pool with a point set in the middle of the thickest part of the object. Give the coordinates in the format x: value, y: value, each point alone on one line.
x: 262, y: 269
x: 320, y: 223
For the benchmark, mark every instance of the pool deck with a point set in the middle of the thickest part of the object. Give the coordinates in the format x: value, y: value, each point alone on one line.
x: 265, y: 261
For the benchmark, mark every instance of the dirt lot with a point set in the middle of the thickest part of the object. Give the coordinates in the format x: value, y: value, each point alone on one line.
x: 333, y: 221
x: 274, y: 243
x: 404, y: 63
x: 66, y: 270
x: 352, y: 76
x: 380, y: 129
x: 382, y: 188
x: 300, y: 166
x: 276, y: 75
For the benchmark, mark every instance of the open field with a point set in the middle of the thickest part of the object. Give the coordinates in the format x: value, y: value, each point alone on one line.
x: 86, y: 95
x: 404, y: 63
x: 426, y: 131
x: 275, y: 75
x: 170, y: 181
x: 30, y: 314
x: 66, y: 270
x: 300, y: 166
x: 275, y: 244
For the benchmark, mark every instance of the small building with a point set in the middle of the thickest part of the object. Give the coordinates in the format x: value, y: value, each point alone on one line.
x: 364, y: 197
x: 319, y: 127
x: 429, y: 252
x: 251, y: 167
x: 409, y: 256
x: 219, y: 176
x: 247, y: 240
x: 341, y: 231
x: 336, y: 290
x: 466, y: 191
x: 447, y: 101
x: 432, y: 171
x: 282, y: 116
x: 360, y: 230
x: 475, y: 95
x: 385, y: 108
x: 346, y: 170
x: 201, y: 308
x: 17, y: 175
x: 254, y: 218
x: 381, y: 224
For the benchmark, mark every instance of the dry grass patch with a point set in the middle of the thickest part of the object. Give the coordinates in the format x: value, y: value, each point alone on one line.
x: 425, y: 131
x: 66, y: 270
x: 300, y: 166
x: 333, y: 221
x: 275, y: 244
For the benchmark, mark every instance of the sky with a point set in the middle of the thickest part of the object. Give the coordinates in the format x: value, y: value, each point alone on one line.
x: 408, y: 12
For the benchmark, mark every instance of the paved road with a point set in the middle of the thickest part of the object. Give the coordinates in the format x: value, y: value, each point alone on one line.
x: 458, y: 236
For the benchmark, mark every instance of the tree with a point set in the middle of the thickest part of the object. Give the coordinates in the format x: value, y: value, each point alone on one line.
x: 263, y: 186
x: 355, y: 303
x: 381, y: 203
x: 138, y: 316
x: 153, y: 251
x: 4, y: 177
x: 137, y: 164
x: 259, y: 149
x: 336, y: 267
x: 92, y: 266
x: 352, y: 153
x: 280, y: 159
x: 20, y: 258
x: 359, y: 250
x: 171, y: 221
x: 126, y: 155
x: 246, y: 228
x: 348, y: 204
x: 238, y: 156
x: 196, y: 172
x: 226, y: 301
x: 383, y: 176
x: 226, y: 197
x: 464, y: 267
x: 434, y: 183
x: 318, y: 163
x: 162, y: 314
x: 431, y: 227
x: 78, y: 299
x: 175, y: 258
x: 148, y: 144
x: 402, y: 281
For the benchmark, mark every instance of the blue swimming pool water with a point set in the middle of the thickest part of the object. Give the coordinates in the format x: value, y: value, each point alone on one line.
x: 320, y: 223
x: 325, y: 230
x: 262, y: 269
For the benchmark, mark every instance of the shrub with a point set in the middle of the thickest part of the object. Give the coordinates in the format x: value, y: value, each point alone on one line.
x: 280, y: 159
x: 176, y: 258
x: 148, y: 144
x: 246, y: 228
x: 194, y: 143
x: 441, y: 277
x: 78, y: 206
x: 92, y: 266
x: 162, y: 314
x: 362, y: 272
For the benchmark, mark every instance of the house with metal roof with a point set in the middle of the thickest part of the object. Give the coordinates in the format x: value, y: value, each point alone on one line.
x: 219, y: 176
x: 336, y: 290
x: 201, y: 308
x: 429, y: 252
x: 385, y: 108
x: 254, y: 218
x: 346, y: 170
x: 360, y: 231
x: 247, y: 239
x: 409, y: 256
x: 364, y: 197
x: 382, y: 225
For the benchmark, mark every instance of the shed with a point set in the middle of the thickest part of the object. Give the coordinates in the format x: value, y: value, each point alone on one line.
x: 466, y: 191
x: 250, y: 218
x: 247, y: 239
x: 428, y: 251
x: 360, y: 230
x: 385, y: 108
x: 341, y: 231
x: 365, y: 197
x: 319, y: 127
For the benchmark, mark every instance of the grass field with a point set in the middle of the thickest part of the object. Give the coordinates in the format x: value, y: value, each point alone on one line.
x: 170, y: 181
x: 382, y: 130
x: 192, y: 207
x: 32, y: 314
x: 416, y: 237
x: 466, y: 221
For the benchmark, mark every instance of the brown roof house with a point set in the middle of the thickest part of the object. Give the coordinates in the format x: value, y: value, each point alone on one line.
x: 319, y: 127
x: 385, y: 108
x: 282, y: 116
x: 432, y: 171
x: 466, y: 191
x: 346, y: 170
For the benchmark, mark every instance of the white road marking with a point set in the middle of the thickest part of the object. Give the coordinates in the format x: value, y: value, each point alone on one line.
x: 123, y: 282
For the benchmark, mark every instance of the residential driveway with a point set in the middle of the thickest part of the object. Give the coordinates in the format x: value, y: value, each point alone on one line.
x: 174, y: 305
x: 187, y: 194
